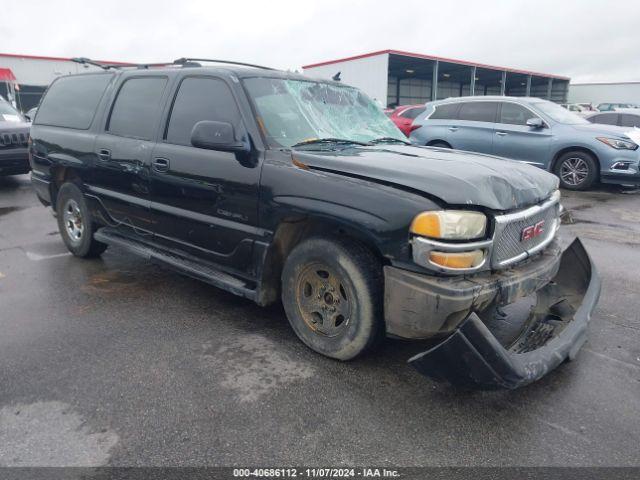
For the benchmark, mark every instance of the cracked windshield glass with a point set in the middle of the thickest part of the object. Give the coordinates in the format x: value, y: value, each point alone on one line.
x: 294, y: 112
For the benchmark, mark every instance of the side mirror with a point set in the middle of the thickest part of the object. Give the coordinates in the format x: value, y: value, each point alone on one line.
x: 535, y: 123
x: 215, y: 136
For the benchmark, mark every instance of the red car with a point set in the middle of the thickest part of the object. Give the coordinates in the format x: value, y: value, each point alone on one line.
x: 404, y: 115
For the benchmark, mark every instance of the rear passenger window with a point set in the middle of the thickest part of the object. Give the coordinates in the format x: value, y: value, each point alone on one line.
x: 514, y: 114
x: 478, y: 111
x: 627, y: 120
x: 136, y: 108
x: 445, y: 112
x: 198, y: 99
x: 606, y: 119
x: 71, y: 102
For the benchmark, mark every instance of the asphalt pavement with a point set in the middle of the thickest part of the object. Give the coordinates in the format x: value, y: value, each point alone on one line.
x: 118, y: 362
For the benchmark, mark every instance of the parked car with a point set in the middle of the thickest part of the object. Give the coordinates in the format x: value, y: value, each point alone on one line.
x: 275, y: 186
x: 14, y: 135
x: 534, y: 131
x: 622, y: 118
x: 579, y: 109
x: 587, y: 107
x: 404, y: 116
x: 610, y: 107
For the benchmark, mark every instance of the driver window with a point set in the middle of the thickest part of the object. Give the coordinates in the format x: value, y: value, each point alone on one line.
x: 514, y: 114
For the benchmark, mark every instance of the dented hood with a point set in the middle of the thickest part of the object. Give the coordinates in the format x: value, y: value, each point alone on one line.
x: 457, y: 178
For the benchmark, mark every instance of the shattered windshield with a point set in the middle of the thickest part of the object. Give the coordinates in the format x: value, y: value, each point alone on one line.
x: 296, y: 112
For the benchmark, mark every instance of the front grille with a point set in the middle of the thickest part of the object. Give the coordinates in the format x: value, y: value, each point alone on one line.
x: 13, y: 139
x: 509, y: 245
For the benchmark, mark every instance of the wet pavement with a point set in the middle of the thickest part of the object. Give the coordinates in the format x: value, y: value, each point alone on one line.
x: 118, y: 362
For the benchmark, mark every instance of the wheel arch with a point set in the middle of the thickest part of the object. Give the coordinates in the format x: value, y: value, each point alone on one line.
x: 60, y: 175
x: 290, y: 233
x: 431, y: 143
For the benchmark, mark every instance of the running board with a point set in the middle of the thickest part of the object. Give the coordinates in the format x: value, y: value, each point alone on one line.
x: 180, y: 261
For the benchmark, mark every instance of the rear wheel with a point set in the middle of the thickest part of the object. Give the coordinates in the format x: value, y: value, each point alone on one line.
x: 75, y: 223
x: 577, y: 170
x: 332, y: 292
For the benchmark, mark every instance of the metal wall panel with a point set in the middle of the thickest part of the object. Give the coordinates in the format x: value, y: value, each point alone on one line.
x: 628, y: 92
x: 368, y: 74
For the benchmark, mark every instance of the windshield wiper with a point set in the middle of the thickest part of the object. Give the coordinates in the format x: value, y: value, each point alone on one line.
x: 313, y: 141
x: 388, y: 140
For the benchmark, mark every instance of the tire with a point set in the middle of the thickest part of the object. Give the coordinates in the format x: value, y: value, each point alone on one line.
x: 439, y: 144
x: 332, y: 292
x: 576, y: 170
x: 75, y: 223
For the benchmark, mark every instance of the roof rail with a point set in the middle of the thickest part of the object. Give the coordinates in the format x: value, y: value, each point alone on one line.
x: 193, y: 62
x: 107, y: 66
x: 88, y: 61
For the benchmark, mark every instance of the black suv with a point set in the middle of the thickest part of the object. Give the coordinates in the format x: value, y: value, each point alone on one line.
x: 14, y: 136
x: 275, y: 186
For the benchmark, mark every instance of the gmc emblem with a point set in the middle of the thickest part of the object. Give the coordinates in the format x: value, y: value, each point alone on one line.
x: 532, y: 231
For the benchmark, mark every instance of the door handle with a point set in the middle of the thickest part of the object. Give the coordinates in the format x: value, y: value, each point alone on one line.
x: 104, y: 154
x: 501, y: 134
x: 453, y: 129
x: 160, y: 165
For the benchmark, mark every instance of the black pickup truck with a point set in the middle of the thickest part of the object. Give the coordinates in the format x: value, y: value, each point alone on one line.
x: 275, y: 186
x: 14, y: 135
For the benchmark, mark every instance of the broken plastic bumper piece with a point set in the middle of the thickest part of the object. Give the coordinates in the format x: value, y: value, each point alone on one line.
x: 557, y: 327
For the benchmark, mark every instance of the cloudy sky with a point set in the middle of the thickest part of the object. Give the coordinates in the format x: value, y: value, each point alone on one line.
x: 588, y: 40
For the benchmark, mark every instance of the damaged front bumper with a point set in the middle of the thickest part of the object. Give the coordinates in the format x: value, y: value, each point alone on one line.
x: 555, y: 330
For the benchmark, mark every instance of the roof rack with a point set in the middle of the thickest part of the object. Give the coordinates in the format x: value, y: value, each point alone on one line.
x: 107, y: 66
x: 182, y: 62
x: 193, y: 62
x: 88, y: 61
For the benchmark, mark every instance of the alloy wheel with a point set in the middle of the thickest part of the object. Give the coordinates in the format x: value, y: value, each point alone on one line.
x: 574, y: 171
x: 72, y: 217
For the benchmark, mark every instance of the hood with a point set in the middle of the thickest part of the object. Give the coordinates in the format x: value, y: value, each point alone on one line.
x: 14, y: 126
x: 602, y: 129
x: 457, y: 178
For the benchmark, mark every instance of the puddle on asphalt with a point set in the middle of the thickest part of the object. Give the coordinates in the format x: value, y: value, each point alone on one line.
x: 51, y: 434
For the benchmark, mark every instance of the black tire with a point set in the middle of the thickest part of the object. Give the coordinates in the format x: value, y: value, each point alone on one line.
x: 340, y: 274
x: 76, y: 224
x: 439, y: 144
x: 576, y: 170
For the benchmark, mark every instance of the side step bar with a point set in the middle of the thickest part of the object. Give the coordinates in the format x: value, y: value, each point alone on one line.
x: 180, y: 261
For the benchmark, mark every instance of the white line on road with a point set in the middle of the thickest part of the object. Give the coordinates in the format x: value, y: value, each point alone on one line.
x: 36, y: 257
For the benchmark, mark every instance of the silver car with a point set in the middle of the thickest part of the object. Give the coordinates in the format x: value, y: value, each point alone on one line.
x: 535, y: 131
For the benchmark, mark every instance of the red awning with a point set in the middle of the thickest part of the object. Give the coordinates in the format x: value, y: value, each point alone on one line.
x: 6, y: 75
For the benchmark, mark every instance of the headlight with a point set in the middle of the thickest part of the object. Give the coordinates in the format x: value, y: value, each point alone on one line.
x: 450, y: 225
x: 618, y: 144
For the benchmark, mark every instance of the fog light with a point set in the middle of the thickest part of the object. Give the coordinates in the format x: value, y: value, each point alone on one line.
x: 620, y: 166
x: 458, y: 259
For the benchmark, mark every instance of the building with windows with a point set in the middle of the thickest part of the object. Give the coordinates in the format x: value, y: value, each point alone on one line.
x: 394, y: 78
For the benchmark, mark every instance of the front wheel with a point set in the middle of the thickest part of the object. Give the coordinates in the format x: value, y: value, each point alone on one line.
x: 577, y: 170
x: 76, y: 224
x: 332, y: 291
